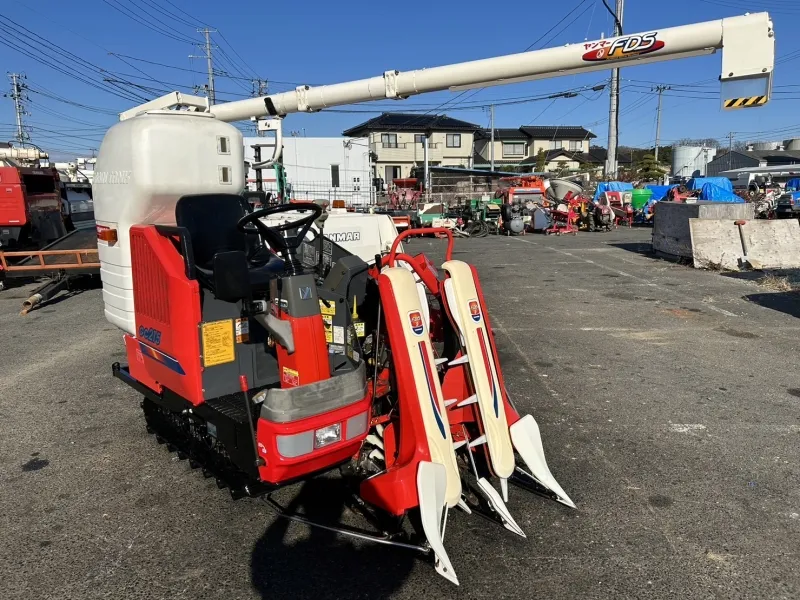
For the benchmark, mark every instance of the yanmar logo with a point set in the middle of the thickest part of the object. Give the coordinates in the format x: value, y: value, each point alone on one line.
x: 475, y: 310
x: 150, y: 334
x: 345, y: 236
x: 415, y: 318
x: 623, y: 47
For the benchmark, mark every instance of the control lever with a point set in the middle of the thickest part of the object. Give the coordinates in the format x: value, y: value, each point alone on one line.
x: 280, y: 330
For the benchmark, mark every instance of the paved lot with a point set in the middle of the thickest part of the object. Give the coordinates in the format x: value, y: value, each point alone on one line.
x: 668, y: 399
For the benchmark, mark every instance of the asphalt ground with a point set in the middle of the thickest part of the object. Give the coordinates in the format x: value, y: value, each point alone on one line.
x: 668, y: 400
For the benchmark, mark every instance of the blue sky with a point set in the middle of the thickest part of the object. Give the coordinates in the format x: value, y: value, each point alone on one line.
x: 323, y: 42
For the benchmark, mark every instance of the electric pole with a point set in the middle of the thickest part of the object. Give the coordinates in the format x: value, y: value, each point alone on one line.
x: 17, y: 94
x: 730, y: 148
x: 660, y: 89
x: 491, y: 119
x: 209, y: 61
x: 260, y: 88
x: 613, y: 110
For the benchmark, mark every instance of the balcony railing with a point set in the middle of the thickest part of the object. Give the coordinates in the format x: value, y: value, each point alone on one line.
x: 401, y: 145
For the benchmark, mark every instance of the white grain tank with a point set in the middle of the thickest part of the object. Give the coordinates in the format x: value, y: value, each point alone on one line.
x: 765, y: 145
x: 691, y: 161
x: 144, y: 166
x: 792, y: 144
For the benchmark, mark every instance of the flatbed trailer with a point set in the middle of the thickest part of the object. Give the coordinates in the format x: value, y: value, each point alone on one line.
x: 61, y: 261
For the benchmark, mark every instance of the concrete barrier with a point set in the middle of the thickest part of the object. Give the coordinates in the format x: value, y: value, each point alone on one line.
x: 671, y: 234
x: 715, y: 243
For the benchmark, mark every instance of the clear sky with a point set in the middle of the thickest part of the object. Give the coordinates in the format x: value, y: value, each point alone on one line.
x: 327, y: 42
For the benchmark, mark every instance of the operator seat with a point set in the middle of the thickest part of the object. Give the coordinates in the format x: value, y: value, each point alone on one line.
x: 211, y: 222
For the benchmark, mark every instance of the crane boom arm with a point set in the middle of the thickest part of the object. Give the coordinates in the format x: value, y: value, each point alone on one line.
x: 747, y: 42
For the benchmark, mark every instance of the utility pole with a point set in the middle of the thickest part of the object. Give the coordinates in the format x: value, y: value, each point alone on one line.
x: 660, y: 89
x: 209, y: 61
x: 730, y: 149
x: 17, y: 94
x: 260, y: 88
x: 613, y: 109
x: 491, y: 119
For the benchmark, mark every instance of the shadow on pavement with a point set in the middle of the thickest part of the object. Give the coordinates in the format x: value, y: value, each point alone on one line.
x: 785, y: 302
x: 318, y: 564
x: 643, y: 248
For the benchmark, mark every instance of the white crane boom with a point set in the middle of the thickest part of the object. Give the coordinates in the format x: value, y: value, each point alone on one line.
x: 747, y: 42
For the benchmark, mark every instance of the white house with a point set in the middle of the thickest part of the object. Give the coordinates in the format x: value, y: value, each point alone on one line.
x: 317, y: 168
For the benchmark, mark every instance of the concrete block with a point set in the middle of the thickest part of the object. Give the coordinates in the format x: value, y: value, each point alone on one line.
x: 671, y: 234
x: 774, y: 244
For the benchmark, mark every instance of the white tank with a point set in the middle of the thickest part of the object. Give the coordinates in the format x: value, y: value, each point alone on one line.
x: 792, y: 144
x: 144, y: 166
x: 691, y: 161
x: 765, y: 145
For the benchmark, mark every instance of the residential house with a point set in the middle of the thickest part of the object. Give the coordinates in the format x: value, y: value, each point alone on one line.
x: 740, y: 159
x: 396, y: 142
x: 521, y: 146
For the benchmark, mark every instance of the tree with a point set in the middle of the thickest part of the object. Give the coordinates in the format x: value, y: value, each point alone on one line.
x: 541, y: 160
x: 647, y: 168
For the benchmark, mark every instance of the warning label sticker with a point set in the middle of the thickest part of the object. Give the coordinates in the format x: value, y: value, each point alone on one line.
x: 218, y: 345
x: 327, y: 322
x: 359, y: 328
x: 338, y: 335
x: 290, y: 377
x: 242, y: 330
x: 327, y: 310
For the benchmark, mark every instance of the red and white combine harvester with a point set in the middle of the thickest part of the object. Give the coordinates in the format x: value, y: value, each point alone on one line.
x: 267, y: 353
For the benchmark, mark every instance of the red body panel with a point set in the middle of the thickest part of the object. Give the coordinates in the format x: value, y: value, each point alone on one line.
x: 395, y: 490
x: 309, y: 363
x: 13, y: 208
x: 278, y: 469
x: 167, y: 347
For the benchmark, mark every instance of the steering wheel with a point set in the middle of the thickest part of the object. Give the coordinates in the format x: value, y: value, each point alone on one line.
x: 272, y: 233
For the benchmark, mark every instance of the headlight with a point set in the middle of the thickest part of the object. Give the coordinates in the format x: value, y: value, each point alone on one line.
x: 327, y: 435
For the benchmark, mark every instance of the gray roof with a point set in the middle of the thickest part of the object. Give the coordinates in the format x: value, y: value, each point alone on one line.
x: 770, y: 156
x: 410, y: 122
x: 539, y: 132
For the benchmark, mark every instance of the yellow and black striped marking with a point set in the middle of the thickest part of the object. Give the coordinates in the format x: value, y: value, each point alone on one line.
x: 745, y: 102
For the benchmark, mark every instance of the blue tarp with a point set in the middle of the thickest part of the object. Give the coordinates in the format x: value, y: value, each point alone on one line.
x: 611, y: 186
x: 793, y: 185
x: 660, y: 191
x: 697, y: 183
x: 714, y: 193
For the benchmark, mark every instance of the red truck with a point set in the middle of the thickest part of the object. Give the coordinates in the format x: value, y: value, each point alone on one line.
x: 30, y: 207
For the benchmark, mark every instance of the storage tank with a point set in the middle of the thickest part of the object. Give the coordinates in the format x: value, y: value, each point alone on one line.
x: 765, y: 145
x: 691, y: 161
x: 144, y: 166
x: 792, y: 144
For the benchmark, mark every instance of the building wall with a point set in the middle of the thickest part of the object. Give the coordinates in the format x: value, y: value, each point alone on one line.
x: 725, y: 163
x: 308, y: 163
x: 483, y: 147
x: 409, y: 152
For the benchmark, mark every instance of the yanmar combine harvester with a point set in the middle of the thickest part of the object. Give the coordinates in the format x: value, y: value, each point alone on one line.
x: 267, y: 354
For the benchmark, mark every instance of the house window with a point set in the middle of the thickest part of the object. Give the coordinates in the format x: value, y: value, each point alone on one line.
x: 389, y: 140
x: 454, y: 140
x: 574, y: 145
x: 513, y: 149
x: 419, y: 138
x: 556, y: 145
x: 335, y: 176
x: 392, y: 172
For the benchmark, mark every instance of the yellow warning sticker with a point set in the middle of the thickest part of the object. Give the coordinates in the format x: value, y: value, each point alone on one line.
x: 217, y: 342
x: 327, y: 310
x: 359, y: 328
x: 327, y: 321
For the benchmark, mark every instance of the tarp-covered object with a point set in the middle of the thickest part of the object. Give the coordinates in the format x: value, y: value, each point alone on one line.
x: 611, y: 186
x: 660, y: 191
x: 793, y: 185
x: 714, y: 193
x: 697, y: 183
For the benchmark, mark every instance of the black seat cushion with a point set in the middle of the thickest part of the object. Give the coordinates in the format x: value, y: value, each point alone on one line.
x: 211, y: 221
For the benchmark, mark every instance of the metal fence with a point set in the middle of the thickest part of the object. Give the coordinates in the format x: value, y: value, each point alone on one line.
x: 360, y: 194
